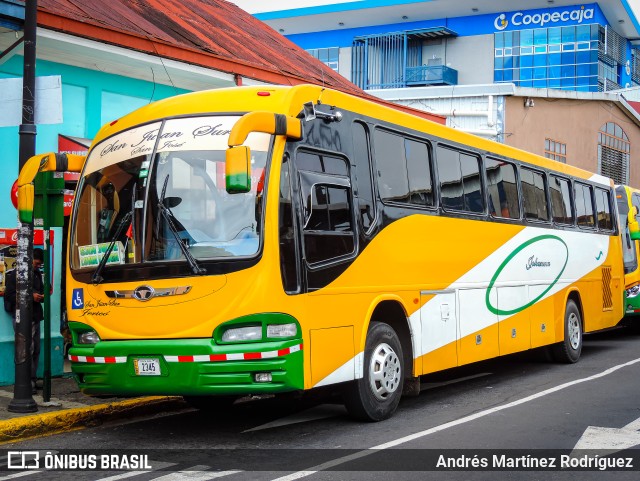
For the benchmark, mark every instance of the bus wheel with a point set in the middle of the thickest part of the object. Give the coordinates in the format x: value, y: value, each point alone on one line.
x: 568, y: 351
x: 210, y: 403
x: 376, y: 396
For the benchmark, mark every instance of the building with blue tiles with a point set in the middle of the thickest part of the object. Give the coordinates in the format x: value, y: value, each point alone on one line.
x: 380, y: 44
x: 554, y: 77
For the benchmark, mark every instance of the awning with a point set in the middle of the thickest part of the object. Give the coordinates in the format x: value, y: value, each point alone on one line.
x: 433, y: 32
x: 424, y: 33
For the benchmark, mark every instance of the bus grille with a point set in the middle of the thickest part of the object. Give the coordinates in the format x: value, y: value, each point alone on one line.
x: 607, y: 298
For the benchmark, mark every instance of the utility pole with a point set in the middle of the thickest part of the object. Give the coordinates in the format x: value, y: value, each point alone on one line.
x: 22, y: 401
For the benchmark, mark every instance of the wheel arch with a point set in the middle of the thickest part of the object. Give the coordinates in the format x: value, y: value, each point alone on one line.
x: 391, y: 311
x: 574, y: 295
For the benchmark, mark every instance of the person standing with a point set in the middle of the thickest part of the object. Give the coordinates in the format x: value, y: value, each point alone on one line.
x: 10, y: 305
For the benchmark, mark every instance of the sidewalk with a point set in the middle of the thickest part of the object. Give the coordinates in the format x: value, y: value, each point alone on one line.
x: 69, y: 409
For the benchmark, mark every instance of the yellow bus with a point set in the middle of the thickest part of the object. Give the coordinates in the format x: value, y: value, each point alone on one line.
x: 628, y: 200
x: 275, y: 239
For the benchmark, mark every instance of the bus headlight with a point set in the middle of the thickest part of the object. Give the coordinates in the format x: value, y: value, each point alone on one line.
x: 282, y: 330
x: 88, y: 337
x: 239, y: 334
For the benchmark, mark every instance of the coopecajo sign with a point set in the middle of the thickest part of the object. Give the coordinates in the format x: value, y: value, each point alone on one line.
x: 540, y: 19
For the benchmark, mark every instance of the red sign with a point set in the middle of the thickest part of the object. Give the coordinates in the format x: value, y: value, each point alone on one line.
x: 8, y: 241
x: 10, y: 237
x: 77, y: 146
x: 73, y: 145
x: 68, y: 202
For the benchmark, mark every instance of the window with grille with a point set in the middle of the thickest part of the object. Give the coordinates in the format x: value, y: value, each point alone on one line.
x: 614, y: 151
x: 555, y: 150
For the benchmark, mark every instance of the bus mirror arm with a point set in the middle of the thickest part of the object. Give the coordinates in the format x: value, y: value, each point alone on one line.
x: 51, y: 162
x: 238, y: 156
x: 267, y: 122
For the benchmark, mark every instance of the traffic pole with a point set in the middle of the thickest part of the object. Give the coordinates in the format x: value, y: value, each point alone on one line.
x: 22, y: 401
x: 46, y: 378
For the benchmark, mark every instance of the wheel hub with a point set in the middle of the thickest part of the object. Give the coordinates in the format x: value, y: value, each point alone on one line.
x: 385, y: 371
x: 574, y: 331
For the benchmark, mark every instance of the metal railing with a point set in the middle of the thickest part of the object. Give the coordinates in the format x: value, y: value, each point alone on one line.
x: 431, y: 75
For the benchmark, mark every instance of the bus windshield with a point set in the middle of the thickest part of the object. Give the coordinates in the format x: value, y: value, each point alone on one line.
x: 157, y: 193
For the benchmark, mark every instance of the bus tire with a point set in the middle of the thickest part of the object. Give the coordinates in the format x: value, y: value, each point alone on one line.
x: 376, y: 395
x: 568, y: 351
x: 210, y: 403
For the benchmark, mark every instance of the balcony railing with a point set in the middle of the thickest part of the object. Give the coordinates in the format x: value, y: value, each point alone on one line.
x: 431, y: 75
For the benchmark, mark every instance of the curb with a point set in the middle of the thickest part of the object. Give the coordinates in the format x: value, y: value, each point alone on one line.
x: 21, y: 428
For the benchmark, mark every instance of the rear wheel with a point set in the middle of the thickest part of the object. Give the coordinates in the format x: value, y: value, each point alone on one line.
x: 210, y: 403
x: 376, y: 396
x: 569, y: 350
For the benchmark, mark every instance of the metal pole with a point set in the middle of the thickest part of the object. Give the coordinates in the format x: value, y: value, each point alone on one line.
x: 46, y: 378
x: 22, y: 401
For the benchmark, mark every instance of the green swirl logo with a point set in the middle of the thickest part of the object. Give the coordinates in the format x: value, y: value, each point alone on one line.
x: 506, y: 263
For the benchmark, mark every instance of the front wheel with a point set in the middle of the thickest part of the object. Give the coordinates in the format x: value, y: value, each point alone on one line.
x: 569, y: 350
x: 376, y: 395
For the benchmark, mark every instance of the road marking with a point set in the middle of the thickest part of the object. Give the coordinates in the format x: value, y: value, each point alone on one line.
x: 432, y: 385
x: 609, y: 440
x: 325, y: 411
x: 19, y: 475
x: 157, y: 466
x: 450, y: 424
x: 322, y: 411
x: 196, y: 473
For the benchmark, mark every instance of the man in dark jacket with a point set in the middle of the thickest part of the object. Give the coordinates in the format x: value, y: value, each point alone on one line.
x: 37, y: 313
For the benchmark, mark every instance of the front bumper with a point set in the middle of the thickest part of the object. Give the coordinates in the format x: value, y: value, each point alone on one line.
x: 188, y: 367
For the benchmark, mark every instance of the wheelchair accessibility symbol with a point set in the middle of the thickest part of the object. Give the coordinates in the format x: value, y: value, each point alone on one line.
x: 77, y: 299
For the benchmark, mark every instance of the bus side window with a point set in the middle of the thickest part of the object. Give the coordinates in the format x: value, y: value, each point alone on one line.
x: 288, y: 257
x: 460, y: 180
x: 535, y: 195
x: 603, y: 205
x: 560, y: 190
x: 584, y: 205
x: 327, y: 222
x: 503, y: 189
x: 362, y: 160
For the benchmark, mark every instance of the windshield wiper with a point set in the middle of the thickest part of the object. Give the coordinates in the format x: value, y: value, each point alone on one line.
x: 168, y: 217
x: 96, y: 278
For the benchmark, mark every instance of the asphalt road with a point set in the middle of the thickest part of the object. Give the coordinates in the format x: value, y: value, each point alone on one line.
x: 518, y: 417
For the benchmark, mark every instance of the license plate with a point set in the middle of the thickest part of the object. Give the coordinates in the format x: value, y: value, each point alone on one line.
x: 147, y: 367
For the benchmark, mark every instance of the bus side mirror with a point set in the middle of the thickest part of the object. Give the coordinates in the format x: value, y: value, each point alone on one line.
x: 634, y: 227
x: 26, y: 199
x: 237, y: 170
x: 51, y: 162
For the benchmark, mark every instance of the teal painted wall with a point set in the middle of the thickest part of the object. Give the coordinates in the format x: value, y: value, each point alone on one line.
x: 90, y: 98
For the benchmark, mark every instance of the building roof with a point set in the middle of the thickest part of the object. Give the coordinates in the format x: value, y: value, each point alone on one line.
x: 213, y: 34
x: 305, y: 16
